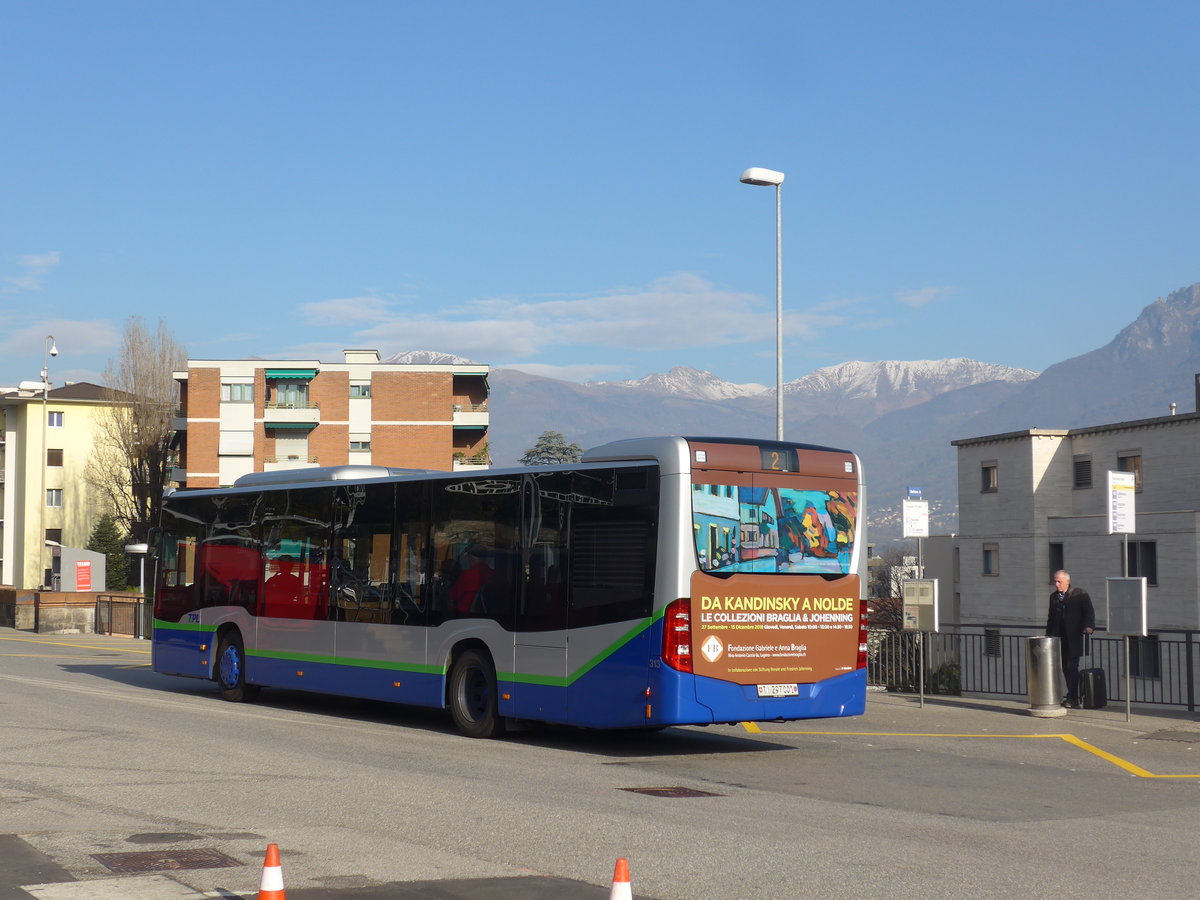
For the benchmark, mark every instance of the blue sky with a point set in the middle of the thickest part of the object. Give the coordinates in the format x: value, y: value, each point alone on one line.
x: 553, y: 186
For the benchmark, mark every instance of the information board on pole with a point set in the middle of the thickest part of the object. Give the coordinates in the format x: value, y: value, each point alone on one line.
x: 1122, y: 494
x: 916, y: 518
x: 920, y: 604
x: 1126, y: 606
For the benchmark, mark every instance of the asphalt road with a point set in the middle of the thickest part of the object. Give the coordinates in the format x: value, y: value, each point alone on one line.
x: 103, y: 760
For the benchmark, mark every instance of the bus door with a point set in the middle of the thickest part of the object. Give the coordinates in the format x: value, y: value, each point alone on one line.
x: 294, y: 609
x: 540, y: 654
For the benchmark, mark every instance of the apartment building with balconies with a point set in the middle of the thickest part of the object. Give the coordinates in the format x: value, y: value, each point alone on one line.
x: 239, y: 416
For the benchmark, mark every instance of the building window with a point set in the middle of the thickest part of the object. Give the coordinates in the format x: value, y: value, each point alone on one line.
x: 291, y: 394
x: 1143, y: 657
x: 54, y: 497
x: 991, y: 559
x: 360, y: 446
x: 360, y: 392
x: 1131, y: 461
x: 54, y: 457
x: 237, y: 393
x: 1083, y: 472
x: 991, y: 642
x: 1142, y: 560
x: 54, y: 419
x: 54, y: 534
x: 988, y: 481
x: 1057, y: 560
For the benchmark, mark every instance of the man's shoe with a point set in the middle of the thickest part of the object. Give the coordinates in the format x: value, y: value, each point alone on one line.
x: 1070, y: 704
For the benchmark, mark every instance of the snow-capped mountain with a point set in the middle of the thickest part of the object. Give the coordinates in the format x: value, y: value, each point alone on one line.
x: 880, y: 387
x: 684, y: 381
x: 427, y: 358
x: 899, y: 416
x: 885, y: 385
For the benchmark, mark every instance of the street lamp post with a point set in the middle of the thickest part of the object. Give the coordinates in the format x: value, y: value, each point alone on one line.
x: 766, y: 177
x: 51, y: 350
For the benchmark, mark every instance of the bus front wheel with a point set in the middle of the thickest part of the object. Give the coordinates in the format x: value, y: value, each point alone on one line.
x: 231, y: 670
x: 473, y: 696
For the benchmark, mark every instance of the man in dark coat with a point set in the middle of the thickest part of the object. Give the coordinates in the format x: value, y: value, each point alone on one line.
x: 1071, y: 617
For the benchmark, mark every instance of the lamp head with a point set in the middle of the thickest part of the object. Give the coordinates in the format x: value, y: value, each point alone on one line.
x: 54, y: 349
x: 761, y: 176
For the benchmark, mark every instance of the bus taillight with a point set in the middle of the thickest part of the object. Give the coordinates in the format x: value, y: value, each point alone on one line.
x: 677, y: 635
x: 862, y: 634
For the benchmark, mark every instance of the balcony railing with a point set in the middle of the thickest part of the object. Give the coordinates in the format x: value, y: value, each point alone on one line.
x: 475, y: 461
x: 306, y: 412
x: 471, y: 415
x: 282, y: 463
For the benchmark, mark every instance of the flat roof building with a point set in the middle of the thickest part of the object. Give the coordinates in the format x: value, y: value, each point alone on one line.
x: 45, y: 495
x: 1032, y: 502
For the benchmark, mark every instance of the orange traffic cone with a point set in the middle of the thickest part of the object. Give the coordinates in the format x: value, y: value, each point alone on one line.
x: 271, y: 886
x: 621, y: 888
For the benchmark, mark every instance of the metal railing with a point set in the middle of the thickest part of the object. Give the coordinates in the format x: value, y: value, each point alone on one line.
x: 120, y: 615
x: 988, y: 660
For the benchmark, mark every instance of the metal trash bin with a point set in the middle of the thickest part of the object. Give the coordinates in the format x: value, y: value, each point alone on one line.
x: 1043, y: 663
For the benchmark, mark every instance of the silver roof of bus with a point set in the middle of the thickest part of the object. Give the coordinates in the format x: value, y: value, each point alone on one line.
x: 318, y: 474
x: 670, y: 452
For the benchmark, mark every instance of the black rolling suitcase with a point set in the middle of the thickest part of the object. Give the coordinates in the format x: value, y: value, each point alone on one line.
x: 1093, y: 693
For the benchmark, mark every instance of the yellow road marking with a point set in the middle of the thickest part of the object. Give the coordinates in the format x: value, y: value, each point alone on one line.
x: 75, y: 646
x: 1069, y: 738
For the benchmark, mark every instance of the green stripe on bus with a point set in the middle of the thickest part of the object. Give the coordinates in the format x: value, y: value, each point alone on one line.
x: 183, y: 626
x: 423, y: 669
x: 559, y: 681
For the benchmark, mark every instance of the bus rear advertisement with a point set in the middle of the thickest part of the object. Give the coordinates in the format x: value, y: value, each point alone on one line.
x: 659, y: 581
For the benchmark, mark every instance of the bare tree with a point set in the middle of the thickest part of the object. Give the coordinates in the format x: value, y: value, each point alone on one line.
x: 130, y: 462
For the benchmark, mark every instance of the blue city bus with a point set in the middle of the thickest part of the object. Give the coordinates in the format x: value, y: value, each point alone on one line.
x: 658, y: 581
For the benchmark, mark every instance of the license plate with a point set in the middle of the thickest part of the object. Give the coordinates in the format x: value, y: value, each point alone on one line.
x: 778, y: 690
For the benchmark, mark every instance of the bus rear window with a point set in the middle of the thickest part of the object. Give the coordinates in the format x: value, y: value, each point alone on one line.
x: 740, y: 528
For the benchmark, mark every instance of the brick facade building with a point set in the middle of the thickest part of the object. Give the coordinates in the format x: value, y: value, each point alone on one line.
x: 254, y: 415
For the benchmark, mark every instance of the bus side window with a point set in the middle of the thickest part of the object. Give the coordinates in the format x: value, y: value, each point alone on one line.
x: 361, y: 568
x: 229, y: 555
x: 548, y: 500
x: 466, y: 513
x: 613, y: 550
x: 297, y: 529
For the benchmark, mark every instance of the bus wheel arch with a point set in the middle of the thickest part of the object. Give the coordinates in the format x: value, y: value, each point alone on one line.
x: 472, y: 693
x: 229, y: 666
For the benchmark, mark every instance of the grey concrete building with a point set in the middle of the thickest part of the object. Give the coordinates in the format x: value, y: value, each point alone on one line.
x: 1031, y: 502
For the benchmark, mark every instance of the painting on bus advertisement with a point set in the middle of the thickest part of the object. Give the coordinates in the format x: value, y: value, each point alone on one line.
x: 773, y: 529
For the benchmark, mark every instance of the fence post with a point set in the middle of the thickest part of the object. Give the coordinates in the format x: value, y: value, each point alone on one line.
x: 1191, y: 676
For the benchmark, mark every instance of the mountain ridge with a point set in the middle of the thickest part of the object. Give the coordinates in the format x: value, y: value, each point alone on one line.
x: 899, y: 416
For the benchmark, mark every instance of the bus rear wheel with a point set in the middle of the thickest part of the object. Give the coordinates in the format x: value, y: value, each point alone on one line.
x: 472, y: 699
x: 230, y: 669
